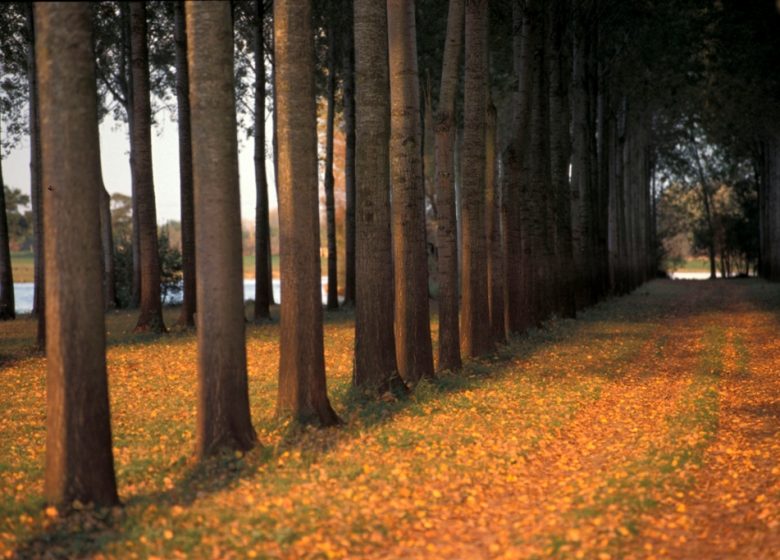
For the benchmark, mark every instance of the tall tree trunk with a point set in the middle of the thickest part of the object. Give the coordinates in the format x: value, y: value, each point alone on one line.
x: 263, y: 276
x: 7, y: 305
x: 36, y: 193
x: 127, y: 72
x: 475, y: 319
x: 560, y: 155
x: 223, y: 398
x: 79, y: 461
x: 189, y: 301
x: 302, y: 387
x: 107, y: 245
x: 150, y: 318
x: 350, y: 289
x: 446, y: 218
x: 536, y: 164
x: 275, y: 147
x: 375, y: 357
x: 582, y: 173
x: 494, y: 229
x: 412, y: 319
x: 330, y: 198
x: 518, y: 204
x: 772, y: 188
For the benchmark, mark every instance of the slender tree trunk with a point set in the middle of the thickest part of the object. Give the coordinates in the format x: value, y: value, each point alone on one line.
x: 560, y: 155
x: 150, y: 318
x: 330, y: 198
x: 7, y: 305
x: 475, y: 318
x: 495, y: 251
x: 36, y: 193
x: 263, y: 276
x: 107, y: 245
x: 302, y: 387
x: 375, y: 357
x: 223, y: 398
x: 79, y: 462
x: 189, y: 301
x: 350, y: 289
x: 446, y: 220
x: 538, y: 252
x: 772, y: 179
x: 412, y: 319
x: 127, y: 72
x: 582, y: 218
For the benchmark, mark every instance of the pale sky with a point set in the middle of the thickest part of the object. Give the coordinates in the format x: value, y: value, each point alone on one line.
x: 115, y: 149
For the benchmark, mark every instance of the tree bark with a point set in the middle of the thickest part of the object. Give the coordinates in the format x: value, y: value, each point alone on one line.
x: 518, y: 248
x: 559, y: 69
x: 107, y: 245
x: 223, y: 399
x: 302, y: 387
x: 79, y: 461
x: 36, y: 193
x: 446, y: 215
x: 189, y: 300
x: 412, y: 320
x: 475, y: 318
x: 263, y: 276
x: 495, y: 252
x: 330, y: 198
x: 150, y: 318
x: 375, y: 358
x: 350, y: 289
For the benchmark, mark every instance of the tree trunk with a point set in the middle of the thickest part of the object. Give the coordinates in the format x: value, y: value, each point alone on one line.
x: 263, y: 276
x: 150, y: 318
x: 495, y: 251
x: 7, y: 305
x: 560, y: 155
x: 446, y: 220
x: 79, y: 462
x: 189, y: 301
x: 302, y: 387
x: 223, y: 399
x: 475, y: 319
x: 350, y: 289
x: 518, y: 248
x: 538, y: 253
x: 36, y: 193
x: 581, y: 174
x: 330, y: 198
x: 107, y: 245
x: 127, y: 71
x: 375, y: 359
x: 412, y: 320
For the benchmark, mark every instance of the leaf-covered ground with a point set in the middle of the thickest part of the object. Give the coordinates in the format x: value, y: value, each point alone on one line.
x: 649, y: 427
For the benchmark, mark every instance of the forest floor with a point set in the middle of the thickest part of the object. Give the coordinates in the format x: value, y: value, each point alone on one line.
x: 648, y: 427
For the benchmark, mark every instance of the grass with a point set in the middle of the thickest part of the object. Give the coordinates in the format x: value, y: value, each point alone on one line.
x: 559, y: 444
x: 23, y: 266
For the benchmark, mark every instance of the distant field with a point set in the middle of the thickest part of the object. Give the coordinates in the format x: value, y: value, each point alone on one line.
x: 22, y: 264
x: 696, y: 264
x: 23, y: 267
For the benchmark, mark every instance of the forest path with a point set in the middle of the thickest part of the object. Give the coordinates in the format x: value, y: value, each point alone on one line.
x: 648, y: 427
x: 677, y: 457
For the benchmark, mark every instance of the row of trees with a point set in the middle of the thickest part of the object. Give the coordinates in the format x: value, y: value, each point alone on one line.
x: 543, y: 204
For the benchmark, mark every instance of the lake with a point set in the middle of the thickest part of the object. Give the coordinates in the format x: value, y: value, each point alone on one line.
x: 23, y: 294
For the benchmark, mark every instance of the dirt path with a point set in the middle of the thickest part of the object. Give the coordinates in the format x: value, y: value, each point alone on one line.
x: 678, y: 457
x: 732, y: 510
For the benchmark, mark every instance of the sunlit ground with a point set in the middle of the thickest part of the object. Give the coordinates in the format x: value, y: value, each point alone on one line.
x: 647, y: 427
